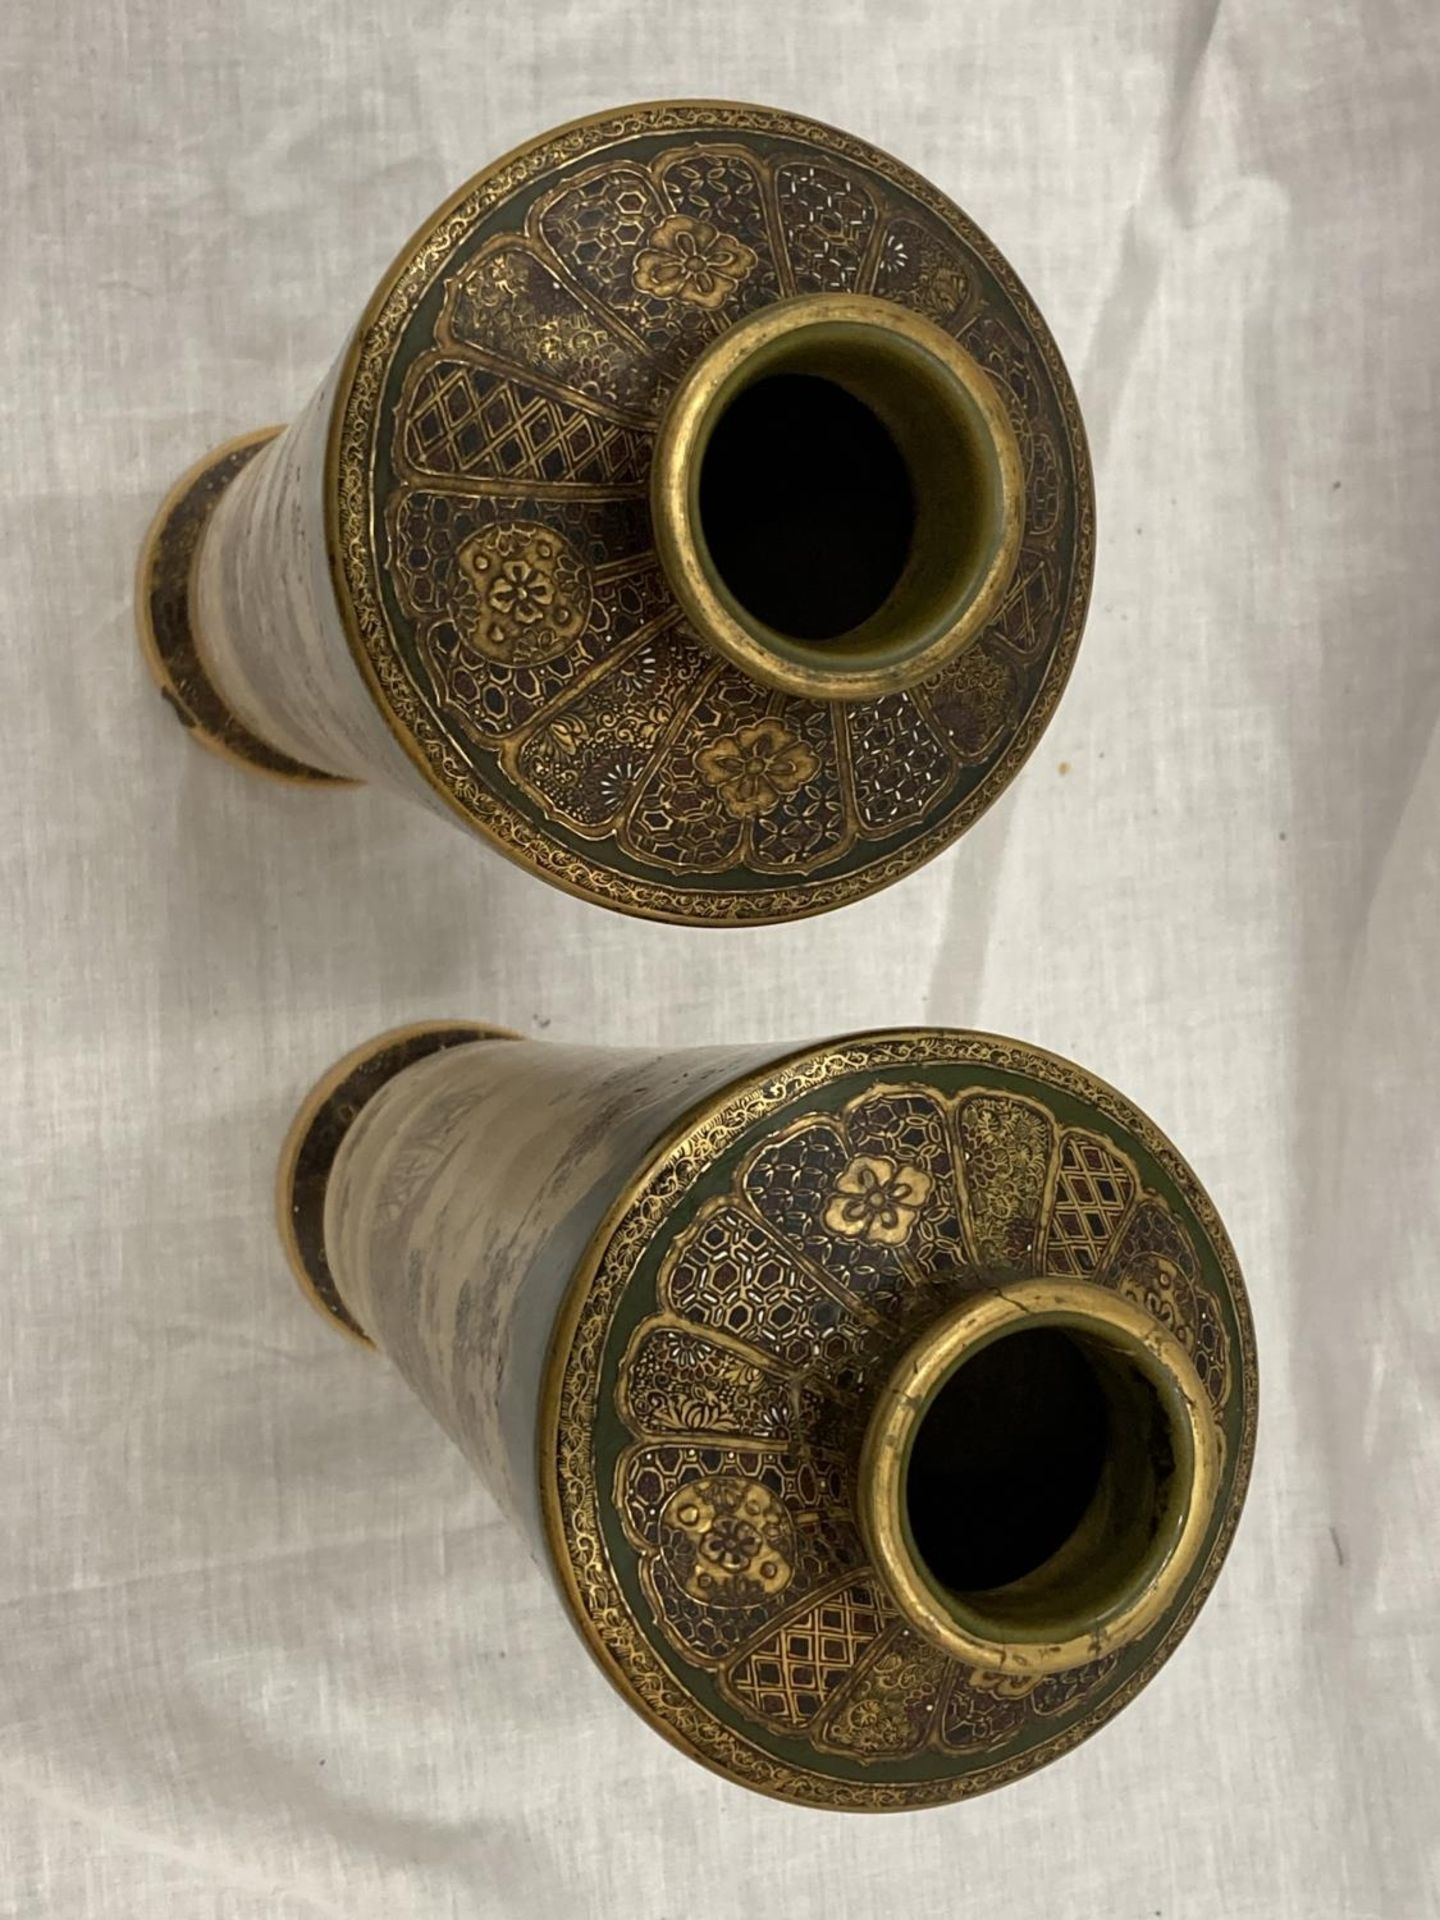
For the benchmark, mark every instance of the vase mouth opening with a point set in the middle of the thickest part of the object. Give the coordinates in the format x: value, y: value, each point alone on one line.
x: 837, y: 496
x: 1038, y: 1477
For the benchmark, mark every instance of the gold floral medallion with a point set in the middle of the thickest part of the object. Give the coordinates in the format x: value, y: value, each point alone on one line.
x: 687, y: 259
x: 877, y: 1200
x: 532, y: 595
x: 754, y: 769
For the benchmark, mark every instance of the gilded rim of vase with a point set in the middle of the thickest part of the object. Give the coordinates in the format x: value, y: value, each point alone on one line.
x: 910, y: 1391
x: 825, y: 673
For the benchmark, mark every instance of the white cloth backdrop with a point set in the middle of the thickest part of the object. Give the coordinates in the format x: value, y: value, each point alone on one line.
x: 265, y: 1650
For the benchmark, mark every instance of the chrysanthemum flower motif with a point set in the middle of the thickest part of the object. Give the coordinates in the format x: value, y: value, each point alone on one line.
x: 728, y: 1540
x: 522, y: 592
x: 877, y: 1200
x: 529, y: 594
x: 753, y: 768
x: 692, y: 260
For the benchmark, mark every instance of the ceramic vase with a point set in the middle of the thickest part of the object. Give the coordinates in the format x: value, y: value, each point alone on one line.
x: 880, y: 1409
x: 699, y: 513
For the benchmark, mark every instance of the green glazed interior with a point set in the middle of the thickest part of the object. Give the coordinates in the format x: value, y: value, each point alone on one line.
x: 1144, y: 1461
x: 947, y: 459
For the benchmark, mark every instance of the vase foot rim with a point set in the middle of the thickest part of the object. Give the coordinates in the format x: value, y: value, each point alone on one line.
x: 317, y: 1133
x: 166, y: 630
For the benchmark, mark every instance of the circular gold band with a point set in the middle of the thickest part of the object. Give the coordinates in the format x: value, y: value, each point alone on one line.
x: 957, y: 1625
x: 892, y: 352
